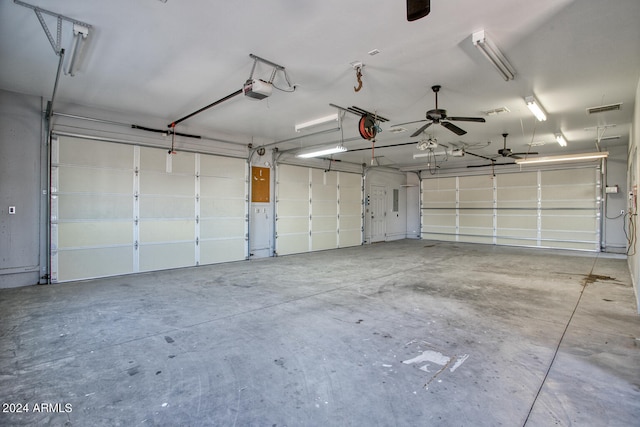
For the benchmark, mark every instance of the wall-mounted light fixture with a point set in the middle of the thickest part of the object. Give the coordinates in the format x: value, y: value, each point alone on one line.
x: 493, y: 54
x: 535, y: 108
x: 323, y: 152
x: 563, y: 158
x: 322, y: 120
x: 561, y: 139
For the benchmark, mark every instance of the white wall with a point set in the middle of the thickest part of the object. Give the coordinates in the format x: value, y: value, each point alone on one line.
x: 413, y: 205
x: 614, y: 240
x: 22, y: 179
x: 633, y: 174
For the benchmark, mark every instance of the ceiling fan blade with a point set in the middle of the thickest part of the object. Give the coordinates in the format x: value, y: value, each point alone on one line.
x: 467, y: 119
x: 453, y: 128
x: 490, y: 164
x: 408, y: 123
x: 419, y: 131
x: 478, y: 155
x: 524, y: 154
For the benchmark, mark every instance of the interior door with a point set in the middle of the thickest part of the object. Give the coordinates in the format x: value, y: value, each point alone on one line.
x: 377, y: 213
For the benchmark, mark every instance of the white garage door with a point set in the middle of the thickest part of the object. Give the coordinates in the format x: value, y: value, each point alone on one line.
x: 544, y: 208
x: 349, y: 209
x: 119, y: 209
x: 317, y: 210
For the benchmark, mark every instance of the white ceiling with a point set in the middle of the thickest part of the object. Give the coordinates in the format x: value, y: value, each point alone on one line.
x: 167, y: 59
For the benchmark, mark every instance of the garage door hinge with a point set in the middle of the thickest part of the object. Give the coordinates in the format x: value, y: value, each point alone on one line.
x: 197, y: 241
x: 135, y: 245
x: 197, y: 219
x: 135, y: 221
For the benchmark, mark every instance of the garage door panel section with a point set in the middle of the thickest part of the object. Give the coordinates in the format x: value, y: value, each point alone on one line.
x: 517, y: 202
x: 218, y: 250
x: 475, y: 215
x: 90, y: 180
x: 94, y: 233
x: 439, y: 208
x: 91, y: 206
x: 119, y: 209
x: 91, y: 209
x: 157, y: 207
x: 88, y: 263
x: 293, y: 209
x: 569, y: 215
x: 165, y: 256
x: 167, y: 209
x: 93, y: 154
x: 222, y: 228
x: 542, y: 208
x: 222, y: 209
x: 317, y: 209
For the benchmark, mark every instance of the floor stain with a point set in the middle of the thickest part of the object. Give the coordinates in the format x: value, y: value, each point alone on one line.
x: 592, y: 278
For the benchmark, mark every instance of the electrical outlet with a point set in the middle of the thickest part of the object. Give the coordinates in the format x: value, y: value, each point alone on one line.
x: 12, y: 210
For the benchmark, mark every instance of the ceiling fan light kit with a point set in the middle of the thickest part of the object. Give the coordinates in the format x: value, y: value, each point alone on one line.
x: 493, y: 54
x: 536, y: 108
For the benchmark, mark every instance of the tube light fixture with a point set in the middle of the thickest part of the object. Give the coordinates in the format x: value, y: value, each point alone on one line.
x: 316, y: 122
x: 535, y: 108
x: 493, y: 54
x: 563, y: 158
x: 80, y: 34
x: 561, y: 140
x: 323, y: 152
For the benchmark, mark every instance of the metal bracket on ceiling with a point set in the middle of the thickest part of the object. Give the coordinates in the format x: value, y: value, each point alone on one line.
x: 275, y: 66
x: 55, y: 44
x: 360, y: 112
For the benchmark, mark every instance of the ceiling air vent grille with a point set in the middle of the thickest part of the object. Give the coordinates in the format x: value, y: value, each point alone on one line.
x: 604, y: 108
x: 397, y: 130
x: 496, y: 111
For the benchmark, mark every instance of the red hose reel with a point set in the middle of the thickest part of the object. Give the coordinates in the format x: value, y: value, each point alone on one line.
x: 367, y: 127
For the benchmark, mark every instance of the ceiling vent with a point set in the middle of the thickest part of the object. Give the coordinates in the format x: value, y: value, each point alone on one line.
x: 496, y: 111
x: 604, y: 108
x: 397, y: 130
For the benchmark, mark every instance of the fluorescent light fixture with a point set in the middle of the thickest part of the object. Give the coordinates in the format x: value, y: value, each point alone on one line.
x: 493, y: 54
x: 322, y: 120
x: 80, y: 34
x: 535, y: 108
x: 323, y: 152
x: 563, y: 158
x: 561, y: 140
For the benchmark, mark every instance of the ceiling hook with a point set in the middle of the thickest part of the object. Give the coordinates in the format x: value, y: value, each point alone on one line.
x: 359, y: 78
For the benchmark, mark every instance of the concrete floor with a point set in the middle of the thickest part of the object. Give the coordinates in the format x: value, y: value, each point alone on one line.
x: 408, y: 333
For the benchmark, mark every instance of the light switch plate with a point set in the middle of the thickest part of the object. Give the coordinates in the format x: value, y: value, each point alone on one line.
x: 12, y: 210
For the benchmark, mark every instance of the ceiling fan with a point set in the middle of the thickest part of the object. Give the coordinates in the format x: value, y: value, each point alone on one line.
x: 439, y: 115
x: 502, y: 152
x: 506, y: 152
